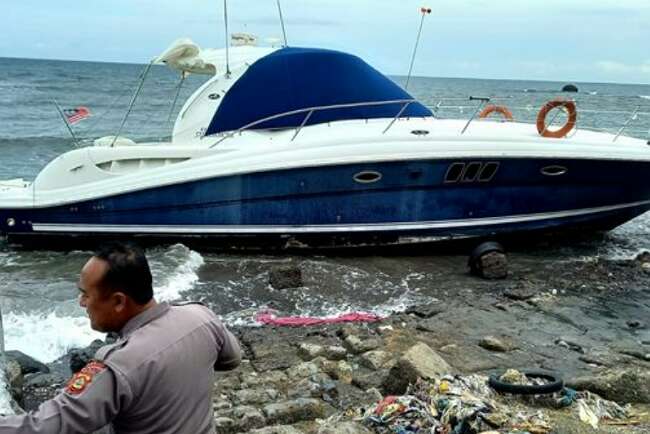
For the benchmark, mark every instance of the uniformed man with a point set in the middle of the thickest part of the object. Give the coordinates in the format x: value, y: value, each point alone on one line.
x: 156, y: 378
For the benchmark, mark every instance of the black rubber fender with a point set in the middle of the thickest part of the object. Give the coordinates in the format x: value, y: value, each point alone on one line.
x: 555, y: 384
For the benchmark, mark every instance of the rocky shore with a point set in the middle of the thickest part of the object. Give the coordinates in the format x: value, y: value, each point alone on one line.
x: 587, y: 320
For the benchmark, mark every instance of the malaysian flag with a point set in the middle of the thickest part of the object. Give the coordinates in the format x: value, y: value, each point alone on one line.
x: 76, y: 114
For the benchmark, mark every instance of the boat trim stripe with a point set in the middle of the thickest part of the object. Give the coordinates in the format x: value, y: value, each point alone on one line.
x: 302, y: 229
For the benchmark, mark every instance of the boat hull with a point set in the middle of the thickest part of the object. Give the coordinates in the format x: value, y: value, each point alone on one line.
x: 370, y: 203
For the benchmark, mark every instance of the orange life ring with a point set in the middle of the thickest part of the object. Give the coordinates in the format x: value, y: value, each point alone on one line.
x: 489, y: 109
x: 569, y: 106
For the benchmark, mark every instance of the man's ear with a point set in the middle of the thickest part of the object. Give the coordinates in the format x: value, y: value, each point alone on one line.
x: 119, y: 300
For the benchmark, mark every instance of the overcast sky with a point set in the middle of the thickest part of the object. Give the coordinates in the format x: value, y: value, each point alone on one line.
x: 564, y: 40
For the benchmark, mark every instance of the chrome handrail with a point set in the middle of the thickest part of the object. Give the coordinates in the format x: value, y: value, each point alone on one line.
x: 633, y: 117
x: 310, y: 111
x: 482, y: 101
x: 445, y: 106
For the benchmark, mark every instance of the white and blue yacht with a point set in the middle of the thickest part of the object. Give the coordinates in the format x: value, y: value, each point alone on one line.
x: 300, y: 146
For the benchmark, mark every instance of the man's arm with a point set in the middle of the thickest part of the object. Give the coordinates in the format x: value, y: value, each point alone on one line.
x: 90, y: 401
x: 230, y: 352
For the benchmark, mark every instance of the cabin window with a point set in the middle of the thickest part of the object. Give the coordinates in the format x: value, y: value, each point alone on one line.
x: 488, y: 171
x: 471, y: 172
x: 554, y: 170
x: 454, y: 172
x: 367, y: 177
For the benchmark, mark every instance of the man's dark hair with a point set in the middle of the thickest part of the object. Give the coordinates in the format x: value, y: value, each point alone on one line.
x: 128, y: 271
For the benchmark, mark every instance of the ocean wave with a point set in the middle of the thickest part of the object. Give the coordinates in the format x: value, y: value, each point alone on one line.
x: 47, y: 337
x: 184, y: 264
x: 644, y: 96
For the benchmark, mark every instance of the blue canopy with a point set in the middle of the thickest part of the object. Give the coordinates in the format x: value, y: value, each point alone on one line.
x: 299, y: 78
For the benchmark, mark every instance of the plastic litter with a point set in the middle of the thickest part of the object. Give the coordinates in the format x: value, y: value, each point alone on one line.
x: 269, y: 318
x: 468, y: 405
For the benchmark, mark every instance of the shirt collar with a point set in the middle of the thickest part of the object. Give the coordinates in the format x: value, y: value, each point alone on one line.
x: 144, y: 318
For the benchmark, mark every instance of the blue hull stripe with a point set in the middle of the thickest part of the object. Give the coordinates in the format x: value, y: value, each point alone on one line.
x: 343, y: 228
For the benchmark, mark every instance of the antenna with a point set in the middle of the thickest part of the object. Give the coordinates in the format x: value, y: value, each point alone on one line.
x: 424, y: 11
x: 225, y: 19
x: 284, y: 32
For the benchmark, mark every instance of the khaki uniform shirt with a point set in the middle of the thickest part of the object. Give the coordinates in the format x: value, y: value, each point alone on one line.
x: 157, y: 378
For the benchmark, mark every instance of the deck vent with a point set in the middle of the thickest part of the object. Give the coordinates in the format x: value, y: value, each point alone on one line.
x: 367, y: 177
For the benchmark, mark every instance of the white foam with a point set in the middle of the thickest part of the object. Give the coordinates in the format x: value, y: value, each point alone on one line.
x: 47, y: 337
x: 644, y: 96
x: 5, y: 397
x: 182, y: 278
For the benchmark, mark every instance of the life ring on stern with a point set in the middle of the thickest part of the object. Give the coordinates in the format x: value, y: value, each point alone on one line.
x: 489, y: 109
x: 567, y: 105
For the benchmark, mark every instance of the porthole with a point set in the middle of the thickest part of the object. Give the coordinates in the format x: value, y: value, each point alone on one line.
x: 419, y: 132
x: 367, y: 177
x: 471, y: 171
x: 488, y: 171
x: 554, y: 170
x: 454, y: 172
x: 214, y: 96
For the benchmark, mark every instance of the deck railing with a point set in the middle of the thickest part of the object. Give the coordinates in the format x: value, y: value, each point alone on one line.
x: 308, y: 112
x: 613, y: 121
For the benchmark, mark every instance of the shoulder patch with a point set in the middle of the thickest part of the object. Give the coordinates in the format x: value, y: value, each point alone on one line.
x: 83, y: 378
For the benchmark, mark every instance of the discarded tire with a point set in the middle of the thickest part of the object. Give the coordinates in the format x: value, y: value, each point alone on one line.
x: 488, y: 260
x: 555, y: 383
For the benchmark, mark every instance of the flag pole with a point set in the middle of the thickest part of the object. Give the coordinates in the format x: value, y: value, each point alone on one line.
x: 65, y: 121
x: 425, y: 11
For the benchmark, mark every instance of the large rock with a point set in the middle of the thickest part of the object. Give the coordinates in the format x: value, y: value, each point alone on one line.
x: 376, y: 359
x: 623, y: 386
x: 28, y: 365
x: 248, y: 418
x: 14, y: 377
x: 420, y: 361
x: 79, y: 357
x: 493, y: 343
x: 355, y: 345
x: 298, y: 410
x: 38, y: 388
x: 285, y: 277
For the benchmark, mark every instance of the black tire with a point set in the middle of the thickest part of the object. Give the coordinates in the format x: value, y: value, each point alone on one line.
x: 555, y: 384
x: 480, y: 250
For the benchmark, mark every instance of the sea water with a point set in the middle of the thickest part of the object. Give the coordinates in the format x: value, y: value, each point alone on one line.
x: 38, y: 290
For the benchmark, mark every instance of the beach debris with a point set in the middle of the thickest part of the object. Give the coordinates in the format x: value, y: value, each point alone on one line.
x: 592, y: 409
x: 526, y: 382
x: 455, y: 404
x: 489, y: 261
x: 269, y: 317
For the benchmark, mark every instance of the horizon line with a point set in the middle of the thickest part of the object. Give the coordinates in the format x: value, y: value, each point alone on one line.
x: 388, y: 74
